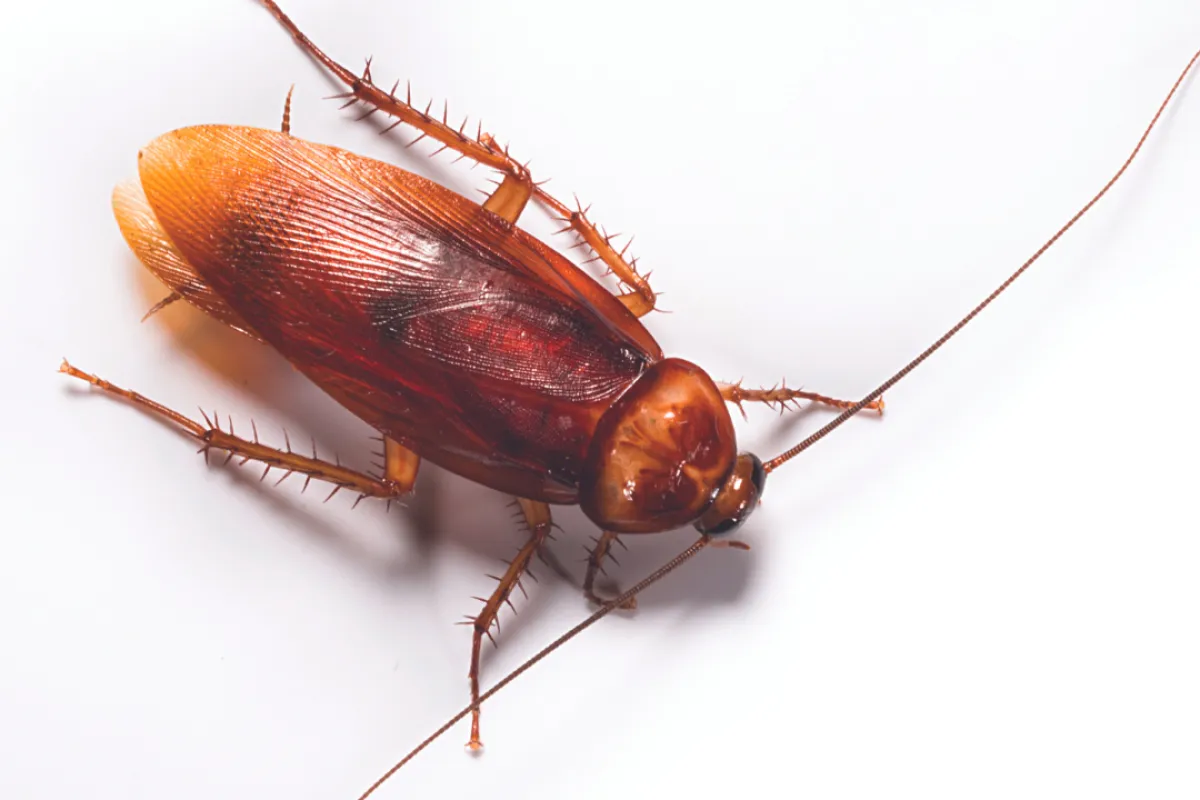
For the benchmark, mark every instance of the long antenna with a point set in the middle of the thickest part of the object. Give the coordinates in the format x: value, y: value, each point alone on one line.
x: 837, y: 421
x: 604, y: 611
x: 776, y: 462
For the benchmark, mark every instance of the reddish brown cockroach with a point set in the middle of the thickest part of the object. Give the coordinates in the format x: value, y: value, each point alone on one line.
x: 455, y: 334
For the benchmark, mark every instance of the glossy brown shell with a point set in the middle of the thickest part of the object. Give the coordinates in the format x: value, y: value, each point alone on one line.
x: 661, y: 453
x: 456, y: 334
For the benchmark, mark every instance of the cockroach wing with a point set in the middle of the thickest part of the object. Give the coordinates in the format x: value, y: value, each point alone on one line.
x: 149, y: 242
x: 432, y: 319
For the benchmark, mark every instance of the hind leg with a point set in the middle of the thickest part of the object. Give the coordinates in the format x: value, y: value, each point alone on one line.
x: 399, y: 468
x: 516, y: 188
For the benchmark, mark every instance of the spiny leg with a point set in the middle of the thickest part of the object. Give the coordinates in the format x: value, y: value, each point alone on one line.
x: 595, y: 564
x: 161, y: 304
x: 537, y: 516
x: 639, y: 298
x: 480, y: 148
x: 511, y: 197
x: 400, y: 468
x: 400, y: 464
x: 779, y: 397
x: 286, y: 126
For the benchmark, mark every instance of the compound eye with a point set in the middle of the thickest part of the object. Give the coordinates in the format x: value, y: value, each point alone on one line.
x: 729, y: 525
x: 758, y: 474
x: 737, y: 499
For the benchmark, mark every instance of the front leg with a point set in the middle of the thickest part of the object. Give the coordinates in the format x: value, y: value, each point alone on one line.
x: 779, y: 397
x: 601, y: 550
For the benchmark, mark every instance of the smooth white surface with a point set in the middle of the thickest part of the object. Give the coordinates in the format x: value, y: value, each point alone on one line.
x: 994, y: 592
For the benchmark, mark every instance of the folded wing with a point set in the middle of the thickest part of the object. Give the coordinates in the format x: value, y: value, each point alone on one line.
x: 432, y: 319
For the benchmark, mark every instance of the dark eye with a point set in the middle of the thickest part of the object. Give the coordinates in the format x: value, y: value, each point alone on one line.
x: 730, y: 525
x: 737, y: 499
x: 758, y: 475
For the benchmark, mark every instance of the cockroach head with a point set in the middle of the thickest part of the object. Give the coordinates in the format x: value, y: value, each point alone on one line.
x: 736, y: 499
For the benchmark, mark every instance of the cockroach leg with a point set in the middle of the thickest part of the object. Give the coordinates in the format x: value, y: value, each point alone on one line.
x: 514, y: 191
x: 780, y: 396
x: 400, y: 470
x: 161, y: 304
x: 537, y: 515
x: 640, y: 299
x: 510, y: 198
x: 286, y: 126
x: 361, y: 89
x: 400, y: 464
x: 595, y: 564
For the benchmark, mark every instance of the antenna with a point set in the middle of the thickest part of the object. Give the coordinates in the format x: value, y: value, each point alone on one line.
x: 783, y: 458
x: 604, y: 611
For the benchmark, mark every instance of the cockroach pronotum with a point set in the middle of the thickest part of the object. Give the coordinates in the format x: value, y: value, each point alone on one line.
x: 458, y: 336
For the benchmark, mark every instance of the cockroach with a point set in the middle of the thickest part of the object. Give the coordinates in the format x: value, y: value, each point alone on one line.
x: 459, y: 337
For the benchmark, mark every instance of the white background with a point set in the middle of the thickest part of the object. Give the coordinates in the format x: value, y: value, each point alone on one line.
x: 992, y: 592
